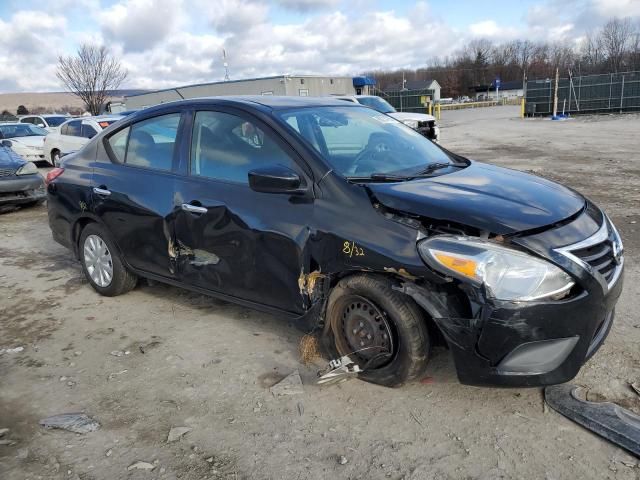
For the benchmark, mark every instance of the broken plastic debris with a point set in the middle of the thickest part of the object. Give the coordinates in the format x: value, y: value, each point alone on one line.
x: 3, y: 431
x: 606, y: 419
x: 338, y: 370
x: 141, y: 466
x: 176, y: 433
x: 73, y: 422
x: 117, y: 353
x: 289, y: 385
x: 11, y: 350
x: 635, y: 387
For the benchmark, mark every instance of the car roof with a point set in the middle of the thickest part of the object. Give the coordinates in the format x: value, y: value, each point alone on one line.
x: 97, y: 118
x: 46, y: 115
x: 272, y: 102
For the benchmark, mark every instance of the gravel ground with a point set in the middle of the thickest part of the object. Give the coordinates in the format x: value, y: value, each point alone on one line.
x: 201, y: 363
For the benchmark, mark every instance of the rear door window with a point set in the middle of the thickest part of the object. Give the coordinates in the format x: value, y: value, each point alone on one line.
x: 149, y: 143
x: 118, y: 144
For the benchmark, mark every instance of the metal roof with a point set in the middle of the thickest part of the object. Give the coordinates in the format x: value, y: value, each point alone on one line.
x: 225, y: 82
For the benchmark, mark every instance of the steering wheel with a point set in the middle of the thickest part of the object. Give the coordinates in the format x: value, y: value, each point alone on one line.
x: 379, y: 147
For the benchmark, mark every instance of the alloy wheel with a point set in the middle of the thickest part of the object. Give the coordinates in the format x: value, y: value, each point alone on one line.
x: 98, y: 261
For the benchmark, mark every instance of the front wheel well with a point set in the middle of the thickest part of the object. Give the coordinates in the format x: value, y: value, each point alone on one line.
x: 398, y: 283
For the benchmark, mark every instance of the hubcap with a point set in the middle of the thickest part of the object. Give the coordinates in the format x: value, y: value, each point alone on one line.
x: 367, y: 332
x: 97, y: 260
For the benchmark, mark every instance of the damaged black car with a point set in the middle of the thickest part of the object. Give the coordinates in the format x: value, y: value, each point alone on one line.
x: 370, y: 236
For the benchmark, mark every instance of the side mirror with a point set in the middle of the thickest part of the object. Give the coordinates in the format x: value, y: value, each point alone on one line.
x: 41, y: 125
x: 275, y: 179
x: 6, y: 143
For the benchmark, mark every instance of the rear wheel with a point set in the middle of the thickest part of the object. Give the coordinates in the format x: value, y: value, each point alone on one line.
x: 379, y: 328
x: 102, y: 264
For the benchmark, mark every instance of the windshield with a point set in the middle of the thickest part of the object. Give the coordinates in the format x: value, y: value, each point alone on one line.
x: 22, y: 130
x: 358, y: 142
x: 376, y: 103
x: 56, y: 121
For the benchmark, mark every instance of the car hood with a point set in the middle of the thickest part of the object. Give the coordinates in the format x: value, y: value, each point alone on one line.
x: 35, y: 141
x: 486, y: 197
x: 418, y: 117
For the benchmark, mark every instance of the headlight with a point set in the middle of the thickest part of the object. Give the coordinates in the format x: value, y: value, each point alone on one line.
x: 411, y: 123
x: 27, y: 169
x: 508, y: 274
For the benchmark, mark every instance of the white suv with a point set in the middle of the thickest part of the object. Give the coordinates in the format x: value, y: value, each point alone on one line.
x: 75, y: 134
x: 50, y: 123
x: 423, y: 123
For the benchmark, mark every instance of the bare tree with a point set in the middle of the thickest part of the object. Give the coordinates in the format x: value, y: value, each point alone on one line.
x: 91, y: 74
x: 616, y: 36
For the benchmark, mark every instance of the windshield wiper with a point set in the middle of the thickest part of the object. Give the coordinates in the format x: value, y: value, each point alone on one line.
x: 381, y: 177
x: 436, y: 166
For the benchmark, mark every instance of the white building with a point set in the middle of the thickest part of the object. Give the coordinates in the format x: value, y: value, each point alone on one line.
x: 284, y: 85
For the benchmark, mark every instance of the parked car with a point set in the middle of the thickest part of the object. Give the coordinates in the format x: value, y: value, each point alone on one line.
x: 26, y: 140
x: 51, y: 122
x: 20, y: 182
x: 74, y: 134
x: 422, y: 122
x: 327, y: 212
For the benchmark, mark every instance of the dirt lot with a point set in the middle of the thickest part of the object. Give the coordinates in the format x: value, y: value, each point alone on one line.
x: 197, y: 362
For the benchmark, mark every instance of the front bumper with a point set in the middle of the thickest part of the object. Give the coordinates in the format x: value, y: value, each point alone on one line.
x: 535, y: 344
x: 538, y: 343
x: 431, y: 132
x: 20, y: 189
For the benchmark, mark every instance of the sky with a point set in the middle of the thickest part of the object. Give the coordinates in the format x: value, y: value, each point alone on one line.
x: 168, y: 43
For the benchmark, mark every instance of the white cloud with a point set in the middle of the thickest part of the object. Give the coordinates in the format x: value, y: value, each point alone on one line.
x: 308, y: 5
x: 167, y: 43
x: 27, y: 61
x: 140, y: 24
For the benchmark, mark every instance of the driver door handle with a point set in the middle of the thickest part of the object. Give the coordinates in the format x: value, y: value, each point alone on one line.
x: 101, y: 191
x: 187, y: 207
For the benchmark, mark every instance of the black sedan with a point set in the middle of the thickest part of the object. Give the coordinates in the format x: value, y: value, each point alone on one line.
x: 20, y: 182
x: 368, y: 234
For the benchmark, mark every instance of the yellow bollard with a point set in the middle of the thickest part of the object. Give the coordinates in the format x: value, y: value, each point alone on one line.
x: 429, y: 108
x: 438, y: 111
x: 522, y: 108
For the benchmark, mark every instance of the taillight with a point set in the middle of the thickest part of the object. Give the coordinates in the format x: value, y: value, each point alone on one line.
x: 53, y: 174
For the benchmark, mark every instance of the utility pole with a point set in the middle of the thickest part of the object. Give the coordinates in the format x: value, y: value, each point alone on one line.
x: 226, y: 65
x: 555, y: 96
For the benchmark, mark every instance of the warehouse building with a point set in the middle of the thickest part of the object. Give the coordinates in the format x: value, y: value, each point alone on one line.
x: 285, y: 85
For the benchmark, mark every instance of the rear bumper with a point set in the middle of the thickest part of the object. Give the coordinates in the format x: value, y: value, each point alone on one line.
x: 22, y: 189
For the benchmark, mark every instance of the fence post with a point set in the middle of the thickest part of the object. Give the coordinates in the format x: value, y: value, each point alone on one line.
x: 622, y: 94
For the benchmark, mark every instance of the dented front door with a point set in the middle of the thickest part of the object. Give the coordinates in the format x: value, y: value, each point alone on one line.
x: 242, y: 243
x: 229, y: 238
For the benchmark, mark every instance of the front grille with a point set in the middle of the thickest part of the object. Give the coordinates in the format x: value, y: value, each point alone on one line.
x: 601, y: 254
x: 600, y: 257
x: 5, y: 172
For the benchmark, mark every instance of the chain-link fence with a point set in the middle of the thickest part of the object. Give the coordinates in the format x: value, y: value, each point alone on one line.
x: 606, y: 93
x: 408, y: 100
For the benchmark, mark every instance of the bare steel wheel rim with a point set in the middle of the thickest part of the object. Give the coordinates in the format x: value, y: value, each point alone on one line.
x: 365, y: 332
x: 98, y: 261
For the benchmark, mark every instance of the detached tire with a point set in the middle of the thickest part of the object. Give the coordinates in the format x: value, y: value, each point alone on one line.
x: 102, y: 264
x: 365, y: 313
